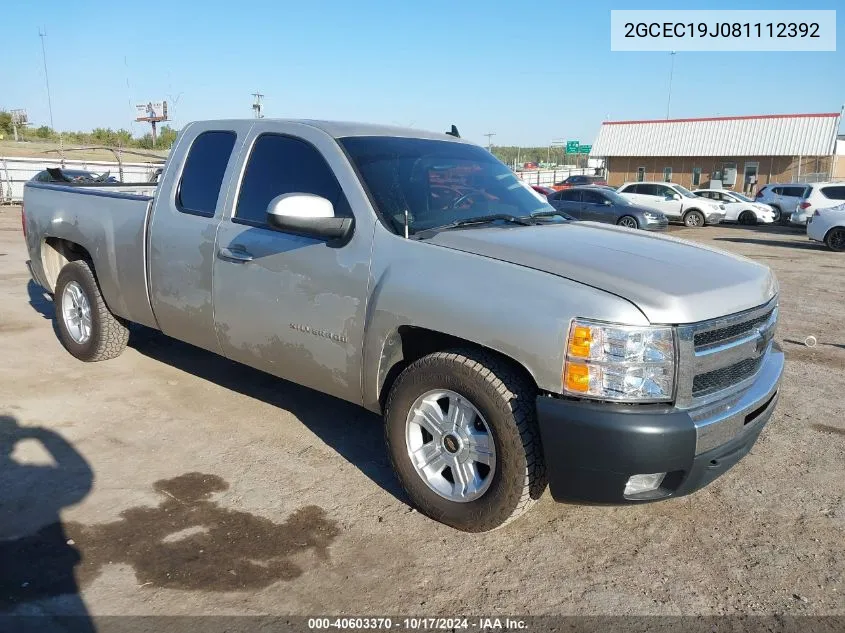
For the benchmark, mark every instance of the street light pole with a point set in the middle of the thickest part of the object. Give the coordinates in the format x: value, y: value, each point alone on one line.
x: 46, y: 77
x: 671, y: 72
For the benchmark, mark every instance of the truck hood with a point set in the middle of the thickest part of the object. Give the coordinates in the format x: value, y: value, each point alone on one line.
x: 670, y: 280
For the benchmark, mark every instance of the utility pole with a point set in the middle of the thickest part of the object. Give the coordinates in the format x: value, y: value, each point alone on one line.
x: 46, y: 77
x: 490, y: 136
x: 256, y: 105
x: 671, y: 72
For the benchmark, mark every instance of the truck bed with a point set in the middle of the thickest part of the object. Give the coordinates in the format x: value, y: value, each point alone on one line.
x: 109, y: 222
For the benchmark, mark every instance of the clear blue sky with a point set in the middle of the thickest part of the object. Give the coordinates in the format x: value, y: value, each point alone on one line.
x: 528, y: 71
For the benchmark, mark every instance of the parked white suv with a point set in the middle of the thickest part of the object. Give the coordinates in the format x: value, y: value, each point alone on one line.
x: 818, y: 195
x: 739, y: 208
x: 828, y: 226
x: 675, y: 202
x: 782, y: 198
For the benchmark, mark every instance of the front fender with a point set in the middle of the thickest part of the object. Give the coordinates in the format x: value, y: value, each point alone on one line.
x: 519, y: 312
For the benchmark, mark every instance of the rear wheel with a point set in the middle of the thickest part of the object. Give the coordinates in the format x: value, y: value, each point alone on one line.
x: 462, y: 435
x: 835, y: 239
x: 628, y: 221
x: 747, y: 218
x: 693, y: 219
x: 87, y: 328
x: 776, y: 214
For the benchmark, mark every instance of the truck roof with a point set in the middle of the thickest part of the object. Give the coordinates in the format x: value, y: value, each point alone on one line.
x: 342, y: 129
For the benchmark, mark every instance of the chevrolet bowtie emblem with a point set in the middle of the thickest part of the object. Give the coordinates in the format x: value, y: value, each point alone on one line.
x: 763, y: 338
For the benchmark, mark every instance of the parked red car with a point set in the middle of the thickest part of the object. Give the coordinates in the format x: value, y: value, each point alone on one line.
x: 543, y: 190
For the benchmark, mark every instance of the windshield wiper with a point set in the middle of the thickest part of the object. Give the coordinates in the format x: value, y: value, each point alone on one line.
x: 550, y: 213
x: 481, y: 219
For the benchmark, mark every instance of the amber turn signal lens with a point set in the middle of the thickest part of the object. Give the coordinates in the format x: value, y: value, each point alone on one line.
x: 577, y: 377
x: 580, y: 341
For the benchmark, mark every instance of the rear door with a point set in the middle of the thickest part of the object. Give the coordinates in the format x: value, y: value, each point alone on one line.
x: 568, y: 201
x: 188, y: 208
x: 287, y: 304
x: 790, y: 197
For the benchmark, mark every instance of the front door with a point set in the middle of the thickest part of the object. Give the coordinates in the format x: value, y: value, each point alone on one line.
x: 286, y: 304
x: 594, y: 207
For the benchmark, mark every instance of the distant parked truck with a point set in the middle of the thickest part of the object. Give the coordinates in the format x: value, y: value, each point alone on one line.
x: 412, y: 274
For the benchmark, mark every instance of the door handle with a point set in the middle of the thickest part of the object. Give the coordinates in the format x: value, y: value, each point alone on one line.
x: 237, y: 256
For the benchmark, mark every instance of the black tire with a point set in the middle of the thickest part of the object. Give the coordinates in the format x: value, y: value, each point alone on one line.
x: 694, y: 219
x: 109, y: 333
x: 626, y: 220
x: 747, y: 218
x: 835, y: 239
x: 506, y: 400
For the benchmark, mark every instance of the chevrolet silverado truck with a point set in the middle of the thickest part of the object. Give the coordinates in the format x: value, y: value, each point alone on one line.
x: 507, y: 346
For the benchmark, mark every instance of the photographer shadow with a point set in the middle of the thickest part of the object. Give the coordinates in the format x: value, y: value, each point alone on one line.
x: 37, y: 560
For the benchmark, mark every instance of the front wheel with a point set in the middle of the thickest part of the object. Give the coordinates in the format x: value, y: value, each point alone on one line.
x: 747, y: 218
x: 87, y: 328
x: 776, y: 215
x: 462, y: 435
x: 628, y: 221
x: 835, y: 239
x: 694, y: 219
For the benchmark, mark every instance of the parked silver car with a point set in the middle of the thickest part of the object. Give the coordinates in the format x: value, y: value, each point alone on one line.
x: 601, y: 204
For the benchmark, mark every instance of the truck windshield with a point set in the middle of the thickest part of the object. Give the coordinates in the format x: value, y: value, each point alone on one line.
x: 439, y: 183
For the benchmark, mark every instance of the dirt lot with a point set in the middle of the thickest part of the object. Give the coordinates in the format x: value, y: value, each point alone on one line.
x: 192, y: 485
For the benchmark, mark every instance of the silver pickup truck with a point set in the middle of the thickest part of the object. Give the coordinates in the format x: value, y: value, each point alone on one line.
x: 411, y: 273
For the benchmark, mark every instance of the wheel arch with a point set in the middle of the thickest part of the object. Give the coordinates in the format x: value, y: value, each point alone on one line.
x: 408, y: 343
x: 56, y: 253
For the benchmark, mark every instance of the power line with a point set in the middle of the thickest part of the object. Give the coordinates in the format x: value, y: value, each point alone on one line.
x: 490, y: 136
x: 46, y: 77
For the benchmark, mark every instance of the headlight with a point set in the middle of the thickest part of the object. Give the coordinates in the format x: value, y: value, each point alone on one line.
x: 651, y: 216
x: 619, y: 362
x: 721, y: 207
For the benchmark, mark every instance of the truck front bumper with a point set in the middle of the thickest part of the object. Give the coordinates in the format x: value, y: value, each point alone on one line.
x: 592, y: 449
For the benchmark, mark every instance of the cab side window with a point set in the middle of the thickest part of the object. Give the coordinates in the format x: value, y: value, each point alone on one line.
x: 202, y: 175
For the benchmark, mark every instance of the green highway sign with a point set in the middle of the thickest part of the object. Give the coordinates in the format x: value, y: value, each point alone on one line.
x: 584, y: 149
x: 572, y: 147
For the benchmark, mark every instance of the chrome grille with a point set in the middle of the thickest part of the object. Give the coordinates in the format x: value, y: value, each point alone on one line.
x: 720, y: 357
x: 714, y: 337
x: 718, y: 379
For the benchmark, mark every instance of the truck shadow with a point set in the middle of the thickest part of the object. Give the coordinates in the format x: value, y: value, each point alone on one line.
x: 39, y: 300
x: 38, y: 560
x: 804, y: 245
x: 354, y: 433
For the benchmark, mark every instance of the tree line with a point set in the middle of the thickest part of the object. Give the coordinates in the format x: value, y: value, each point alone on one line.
x: 98, y: 136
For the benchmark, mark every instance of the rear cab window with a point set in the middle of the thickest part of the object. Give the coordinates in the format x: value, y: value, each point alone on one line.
x: 280, y: 164
x: 202, y: 175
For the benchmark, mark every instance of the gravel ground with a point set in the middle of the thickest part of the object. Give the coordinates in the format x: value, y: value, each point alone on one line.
x: 192, y: 485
